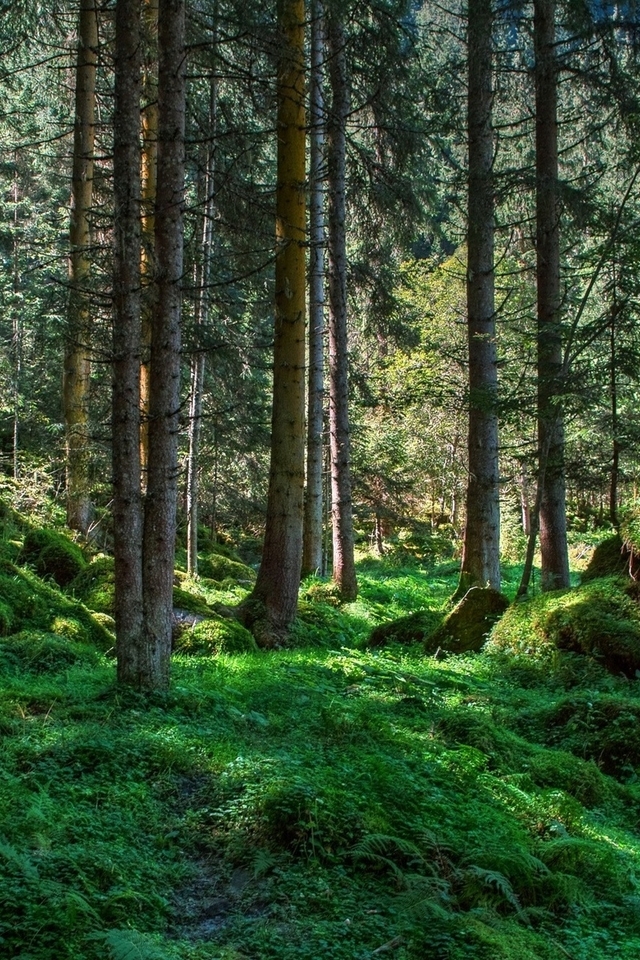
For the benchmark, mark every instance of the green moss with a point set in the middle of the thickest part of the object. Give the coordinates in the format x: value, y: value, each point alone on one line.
x: 6, y: 619
x: 597, y: 726
x: 41, y: 652
x: 467, y: 626
x: 95, y: 585
x: 35, y: 604
x: 412, y: 629
x: 52, y: 554
x: 216, y: 635
x: 191, y: 602
x: 321, y: 591
x: 599, y: 619
x: 609, y: 558
x: 218, y: 567
x: 70, y: 629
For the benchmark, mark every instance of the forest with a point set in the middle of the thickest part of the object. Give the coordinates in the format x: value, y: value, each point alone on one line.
x: 319, y: 468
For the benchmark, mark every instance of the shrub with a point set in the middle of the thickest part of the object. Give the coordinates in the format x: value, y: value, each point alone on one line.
x: 52, y: 554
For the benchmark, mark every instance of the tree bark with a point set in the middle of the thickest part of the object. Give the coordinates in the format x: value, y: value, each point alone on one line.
x: 77, y: 366
x: 149, y: 173
x: 127, y: 508
x: 615, y: 426
x: 553, y: 524
x: 481, y: 553
x: 312, y: 540
x: 344, y: 571
x: 198, y: 361
x: 279, y: 574
x: 164, y: 382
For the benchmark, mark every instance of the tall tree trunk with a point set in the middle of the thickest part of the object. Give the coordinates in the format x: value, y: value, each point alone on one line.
x: 481, y: 554
x: 149, y: 171
x: 164, y: 382
x: 344, y: 570
x: 279, y: 574
x: 16, y: 340
x: 615, y: 426
x: 77, y: 368
x: 312, y: 540
x: 127, y: 510
x: 553, y: 524
x: 198, y: 361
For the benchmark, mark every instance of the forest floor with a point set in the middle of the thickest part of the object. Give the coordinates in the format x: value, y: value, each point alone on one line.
x: 326, y: 801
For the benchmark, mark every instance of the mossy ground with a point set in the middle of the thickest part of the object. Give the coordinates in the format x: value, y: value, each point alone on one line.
x: 324, y: 801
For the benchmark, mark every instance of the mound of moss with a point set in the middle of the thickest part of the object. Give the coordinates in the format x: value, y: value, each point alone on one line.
x: 215, y: 566
x: 609, y: 559
x: 29, y: 603
x: 95, y: 585
x: 600, y: 619
x: 40, y: 651
x: 216, y: 635
x: 412, y: 629
x: 466, y: 627
x: 52, y: 554
x: 593, y: 725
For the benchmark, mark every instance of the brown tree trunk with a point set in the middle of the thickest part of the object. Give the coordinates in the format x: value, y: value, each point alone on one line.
x: 481, y: 554
x: 127, y: 513
x: 613, y: 388
x: 198, y: 361
x: 164, y: 382
x: 279, y: 574
x: 312, y: 540
x: 77, y: 367
x: 149, y: 172
x: 344, y: 570
x: 553, y: 525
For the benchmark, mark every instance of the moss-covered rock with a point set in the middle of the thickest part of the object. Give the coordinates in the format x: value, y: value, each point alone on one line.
x: 32, y: 604
x: 40, y: 651
x: 190, y: 602
x: 216, y: 635
x: 52, y: 554
x: 610, y: 558
x: 95, y: 585
x: 466, y: 628
x: 407, y: 630
x: 600, y: 619
x: 218, y: 567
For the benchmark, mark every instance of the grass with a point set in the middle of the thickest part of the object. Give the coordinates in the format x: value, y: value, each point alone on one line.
x: 324, y: 801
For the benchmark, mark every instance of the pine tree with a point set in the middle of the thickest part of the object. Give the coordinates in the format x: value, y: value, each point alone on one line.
x: 481, y: 556
x: 278, y: 579
x: 77, y: 361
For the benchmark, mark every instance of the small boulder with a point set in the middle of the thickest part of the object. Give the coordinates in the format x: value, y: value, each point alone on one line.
x: 407, y: 630
x: 465, y: 629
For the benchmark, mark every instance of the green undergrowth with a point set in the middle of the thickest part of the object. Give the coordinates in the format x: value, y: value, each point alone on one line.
x: 329, y: 801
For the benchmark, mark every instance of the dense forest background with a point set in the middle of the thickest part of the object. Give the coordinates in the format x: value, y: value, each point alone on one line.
x: 406, y: 175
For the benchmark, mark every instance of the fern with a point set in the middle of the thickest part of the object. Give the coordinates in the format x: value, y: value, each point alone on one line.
x: 492, y: 879
x: 379, y: 848
x: 19, y: 860
x: 132, y: 945
x: 263, y: 862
